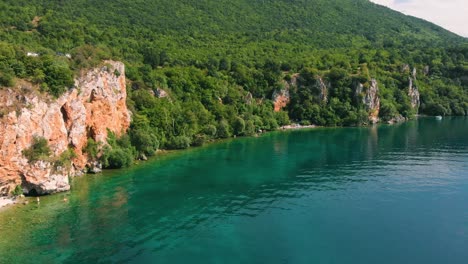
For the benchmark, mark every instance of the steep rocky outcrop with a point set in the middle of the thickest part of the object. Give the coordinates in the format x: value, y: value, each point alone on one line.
x: 281, y: 97
x: 323, y: 90
x: 370, y: 98
x: 413, y: 91
x: 96, y: 104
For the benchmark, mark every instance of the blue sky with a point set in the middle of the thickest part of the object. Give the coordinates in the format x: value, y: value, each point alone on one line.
x: 450, y: 14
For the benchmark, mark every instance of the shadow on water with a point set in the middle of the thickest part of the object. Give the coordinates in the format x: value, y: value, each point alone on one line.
x: 157, y: 206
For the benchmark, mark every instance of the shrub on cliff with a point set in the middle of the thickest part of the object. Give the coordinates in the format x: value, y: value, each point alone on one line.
x: 92, y: 148
x: 64, y: 160
x: 17, y: 191
x: 39, y: 150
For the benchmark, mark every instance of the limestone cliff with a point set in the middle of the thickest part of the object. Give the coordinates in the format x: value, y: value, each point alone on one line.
x: 281, y: 97
x: 413, y: 91
x: 95, y: 105
x: 371, y: 99
x: 323, y: 90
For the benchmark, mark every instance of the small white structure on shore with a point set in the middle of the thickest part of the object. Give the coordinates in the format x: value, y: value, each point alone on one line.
x: 32, y: 54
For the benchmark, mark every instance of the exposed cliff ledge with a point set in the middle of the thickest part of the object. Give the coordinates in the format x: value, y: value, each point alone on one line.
x: 95, y: 105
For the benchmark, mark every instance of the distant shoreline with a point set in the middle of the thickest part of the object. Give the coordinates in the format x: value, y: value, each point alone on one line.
x: 6, y: 202
x: 296, y: 126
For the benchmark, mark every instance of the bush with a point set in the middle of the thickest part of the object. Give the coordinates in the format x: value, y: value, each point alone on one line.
x: 238, y: 125
x: 39, y: 150
x: 145, y: 142
x: 179, y: 142
x: 92, y: 148
x: 387, y: 110
x: 282, y: 118
x: 64, y: 160
x: 17, y: 191
x: 249, y: 128
x: 115, y: 158
x: 435, y: 109
x: 271, y: 124
x: 199, y: 140
x: 7, y: 80
x: 210, y: 130
x: 223, y: 129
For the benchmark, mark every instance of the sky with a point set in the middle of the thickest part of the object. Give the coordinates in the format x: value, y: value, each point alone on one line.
x: 449, y: 14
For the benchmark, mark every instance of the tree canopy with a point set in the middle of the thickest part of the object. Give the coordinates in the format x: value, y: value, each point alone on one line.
x: 204, y: 69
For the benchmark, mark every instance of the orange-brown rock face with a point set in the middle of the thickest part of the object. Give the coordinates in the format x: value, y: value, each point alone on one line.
x: 94, y: 106
x: 281, y: 97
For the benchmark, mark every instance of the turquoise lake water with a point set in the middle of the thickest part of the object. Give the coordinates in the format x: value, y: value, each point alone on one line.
x: 384, y: 194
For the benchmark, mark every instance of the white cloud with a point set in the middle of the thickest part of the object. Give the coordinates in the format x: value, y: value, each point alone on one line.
x: 449, y: 14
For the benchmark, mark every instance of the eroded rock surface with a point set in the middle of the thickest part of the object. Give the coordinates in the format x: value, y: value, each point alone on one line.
x: 281, y: 98
x: 413, y: 91
x: 96, y: 104
x: 371, y: 99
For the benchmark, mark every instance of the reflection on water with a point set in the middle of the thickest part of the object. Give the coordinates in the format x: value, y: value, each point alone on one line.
x: 369, y: 193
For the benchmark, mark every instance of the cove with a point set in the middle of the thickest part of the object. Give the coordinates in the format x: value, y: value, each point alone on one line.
x: 381, y: 194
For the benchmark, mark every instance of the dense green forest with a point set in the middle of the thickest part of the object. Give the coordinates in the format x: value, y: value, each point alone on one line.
x: 221, y: 61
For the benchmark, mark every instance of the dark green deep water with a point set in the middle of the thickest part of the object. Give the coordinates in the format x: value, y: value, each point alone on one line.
x: 387, y: 194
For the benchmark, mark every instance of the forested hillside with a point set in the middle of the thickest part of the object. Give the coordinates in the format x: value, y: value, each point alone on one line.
x: 208, y: 69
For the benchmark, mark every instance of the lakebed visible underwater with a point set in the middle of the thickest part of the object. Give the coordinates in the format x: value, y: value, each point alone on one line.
x: 382, y: 194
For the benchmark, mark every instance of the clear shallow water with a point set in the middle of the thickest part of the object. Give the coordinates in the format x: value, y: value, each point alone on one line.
x: 387, y: 194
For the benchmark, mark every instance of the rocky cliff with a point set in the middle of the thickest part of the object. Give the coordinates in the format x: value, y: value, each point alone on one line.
x: 413, y: 91
x: 371, y: 99
x: 323, y: 90
x: 95, y: 105
x: 281, y: 97
x: 367, y: 94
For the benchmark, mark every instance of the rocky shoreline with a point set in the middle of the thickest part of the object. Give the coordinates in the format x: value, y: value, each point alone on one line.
x: 297, y: 126
x: 6, y: 201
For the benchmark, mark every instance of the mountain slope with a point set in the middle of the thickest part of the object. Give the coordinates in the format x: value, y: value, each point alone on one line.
x: 211, y: 69
x: 319, y: 23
